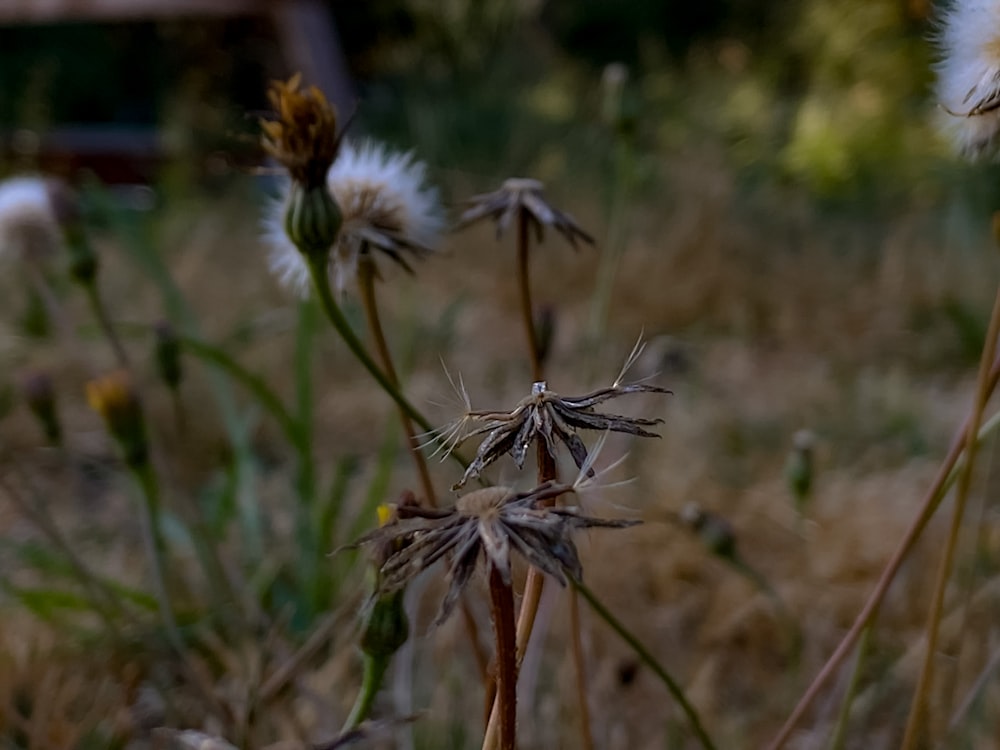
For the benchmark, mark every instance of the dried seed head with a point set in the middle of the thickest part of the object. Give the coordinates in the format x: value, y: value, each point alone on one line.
x: 547, y: 417
x: 525, y: 197
x: 386, y: 206
x: 489, y: 522
x: 482, y: 503
x: 304, y: 137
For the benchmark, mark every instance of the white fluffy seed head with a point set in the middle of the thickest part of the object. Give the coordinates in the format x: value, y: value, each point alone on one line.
x: 379, y: 192
x: 968, y: 87
x: 29, y: 229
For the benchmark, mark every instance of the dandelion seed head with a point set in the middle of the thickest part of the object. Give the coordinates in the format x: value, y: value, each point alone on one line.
x: 29, y: 226
x: 386, y: 204
x: 968, y: 87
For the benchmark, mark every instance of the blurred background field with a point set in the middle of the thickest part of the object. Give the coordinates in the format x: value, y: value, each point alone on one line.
x: 775, y: 213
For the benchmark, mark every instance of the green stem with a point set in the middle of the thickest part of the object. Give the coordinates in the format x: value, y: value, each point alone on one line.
x: 256, y: 385
x: 650, y: 661
x: 371, y: 681
x: 105, y: 603
x: 366, y: 280
x: 156, y: 549
x: 317, y: 267
x: 104, y: 321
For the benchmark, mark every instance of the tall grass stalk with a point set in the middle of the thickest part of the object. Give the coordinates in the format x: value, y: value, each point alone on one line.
x: 932, y: 499
x: 915, y: 722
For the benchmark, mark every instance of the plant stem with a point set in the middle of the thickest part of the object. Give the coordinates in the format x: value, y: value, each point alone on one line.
x: 840, y: 730
x: 914, y: 724
x: 374, y: 672
x: 586, y: 738
x: 650, y: 661
x: 366, y: 279
x: 502, y: 611
x: 524, y: 287
x: 152, y: 537
x: 253, y: 383
x: 929, y: 504
x: 105, y: 603
x: 104, y: 321
x: 57, y: 313
x: 317, y: 268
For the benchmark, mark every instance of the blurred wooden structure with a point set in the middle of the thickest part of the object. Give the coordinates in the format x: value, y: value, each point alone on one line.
x: 305, y: 30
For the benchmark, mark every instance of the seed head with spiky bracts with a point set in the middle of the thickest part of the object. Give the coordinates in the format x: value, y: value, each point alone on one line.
x: 527, y: 197
x: 488, y: 522
x: 546, y: 416
x: 387, y: 206
x: 968, y: 86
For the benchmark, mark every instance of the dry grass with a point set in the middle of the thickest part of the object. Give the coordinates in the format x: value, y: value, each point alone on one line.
x: 762, y: 322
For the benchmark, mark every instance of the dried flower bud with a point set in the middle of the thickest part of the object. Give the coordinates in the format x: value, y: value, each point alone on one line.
x: 41, y: 399
x: 168, y: 355
x: 304, y: 135
x: 114, y: 397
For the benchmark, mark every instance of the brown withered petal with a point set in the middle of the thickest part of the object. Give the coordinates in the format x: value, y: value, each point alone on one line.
x: 304, y: 137
x: 488, y: 522
x: 520, y: 195
x: 551, y: 418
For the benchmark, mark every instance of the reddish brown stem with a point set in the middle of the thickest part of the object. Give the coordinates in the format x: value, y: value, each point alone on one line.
x: 929, y: 504
x: 524, y: 287
x: 915, y: 723
x: 502, y: 610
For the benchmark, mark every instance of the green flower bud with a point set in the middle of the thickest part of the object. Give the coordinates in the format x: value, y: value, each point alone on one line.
x: 386, y: 628
x: 114, y: 397
x: 312, y: 219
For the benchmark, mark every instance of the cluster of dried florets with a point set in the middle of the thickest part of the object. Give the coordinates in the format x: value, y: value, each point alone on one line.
x: 488, y: 522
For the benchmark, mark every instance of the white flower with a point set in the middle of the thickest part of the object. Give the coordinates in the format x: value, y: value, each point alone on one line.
x: 386, y: 204
x: 29, y: 229
x: 969, y: 74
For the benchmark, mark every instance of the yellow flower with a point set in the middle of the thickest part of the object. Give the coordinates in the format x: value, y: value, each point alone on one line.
x: 114, y: 397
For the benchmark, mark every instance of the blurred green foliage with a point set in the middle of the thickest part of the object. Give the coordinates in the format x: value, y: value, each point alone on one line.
x: 831, y: 98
